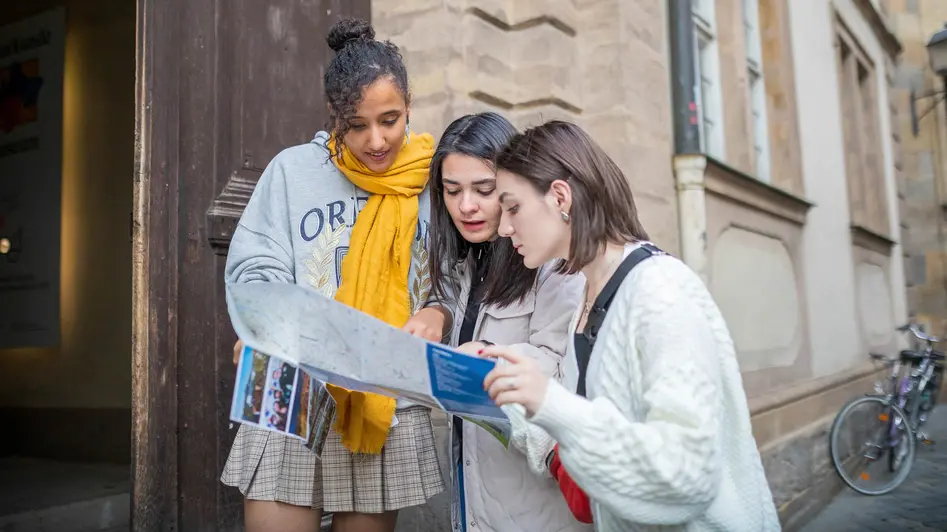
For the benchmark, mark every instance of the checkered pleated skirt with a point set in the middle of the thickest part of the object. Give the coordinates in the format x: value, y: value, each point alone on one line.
x: 267, y: 466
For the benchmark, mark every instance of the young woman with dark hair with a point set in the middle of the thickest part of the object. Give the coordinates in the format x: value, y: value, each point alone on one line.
x: 482, y: 295
x: 651, y: 418
x: 346, y: 214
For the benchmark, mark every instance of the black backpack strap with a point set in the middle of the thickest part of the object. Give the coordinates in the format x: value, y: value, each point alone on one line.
x: 604, y: 300
x: 584, y: 343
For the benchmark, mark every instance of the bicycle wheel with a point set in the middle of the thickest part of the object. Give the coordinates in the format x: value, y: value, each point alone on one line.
x: 875, y: 428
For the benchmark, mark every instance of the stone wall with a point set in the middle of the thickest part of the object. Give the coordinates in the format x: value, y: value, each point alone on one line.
x: 600, y: 63
x: 923, y: 161
x: 791, y: 427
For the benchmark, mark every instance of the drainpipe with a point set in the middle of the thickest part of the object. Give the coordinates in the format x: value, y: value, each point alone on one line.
x: 692, y: 211
x: 689, y: 164
x: 683, y: 77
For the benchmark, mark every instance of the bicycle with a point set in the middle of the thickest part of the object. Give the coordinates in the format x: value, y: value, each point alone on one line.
x: 894, y: 415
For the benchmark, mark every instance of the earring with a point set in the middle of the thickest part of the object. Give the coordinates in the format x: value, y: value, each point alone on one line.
x: 407, y: 132
x: 565, y: 216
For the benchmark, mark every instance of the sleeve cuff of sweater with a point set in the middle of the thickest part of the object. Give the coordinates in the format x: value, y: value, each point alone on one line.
x: 561, y: 412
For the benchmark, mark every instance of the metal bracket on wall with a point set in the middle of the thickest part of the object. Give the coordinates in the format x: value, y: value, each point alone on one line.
x: 941, y: 95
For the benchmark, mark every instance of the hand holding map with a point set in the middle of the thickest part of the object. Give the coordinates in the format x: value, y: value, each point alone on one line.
x: 297, y: 340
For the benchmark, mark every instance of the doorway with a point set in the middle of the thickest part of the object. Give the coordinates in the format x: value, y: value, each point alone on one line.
x: 66, y: 397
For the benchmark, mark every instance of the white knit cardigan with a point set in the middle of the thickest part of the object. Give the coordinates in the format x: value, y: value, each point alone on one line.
x: 663, y: 441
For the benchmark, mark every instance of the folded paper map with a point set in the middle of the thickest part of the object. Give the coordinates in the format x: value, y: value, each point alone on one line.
x: 297, y: 340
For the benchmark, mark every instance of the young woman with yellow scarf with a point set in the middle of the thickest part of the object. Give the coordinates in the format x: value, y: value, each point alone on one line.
x: 346, y: 214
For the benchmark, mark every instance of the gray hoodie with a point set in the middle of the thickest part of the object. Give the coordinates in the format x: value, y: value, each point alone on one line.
x: 297, y: 225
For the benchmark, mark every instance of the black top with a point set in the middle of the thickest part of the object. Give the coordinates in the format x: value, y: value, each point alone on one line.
x: 583, y: 353
x: 481, y: 258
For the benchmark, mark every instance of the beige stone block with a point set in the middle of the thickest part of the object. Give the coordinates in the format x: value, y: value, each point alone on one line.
x: 501, y: 10
x: 428, y: 71
x: 475, y: 34
x: 795, y: 416
x: 585, y: 6
x: 622, y: 42
x: 646, y: 167
x: 645, y: 22
x: 538, y: 82
x: 658, y: 214
x: 542, y: 44
x: 488, y: 60
x: 936, y: 266
x: 536, y: 116
x: 471, y: 106
x: 765, y: 428
x: 601, y: 12
x: 561, y: 10
x: 792, y: 467
x: 521, y: 66
x: 652, y: 120
x: 400, y: 27
x: 382, y: 9
x: 606, y: 126
x: 600, y: 94
x: 429, y: 119
x: 517, y: 13
x: 425, y: 43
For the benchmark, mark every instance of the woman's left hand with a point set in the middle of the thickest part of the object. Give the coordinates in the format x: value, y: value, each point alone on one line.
x: 519, y: 381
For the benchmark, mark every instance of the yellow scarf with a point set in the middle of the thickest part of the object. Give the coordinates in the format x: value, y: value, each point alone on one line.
x: 375, y: 272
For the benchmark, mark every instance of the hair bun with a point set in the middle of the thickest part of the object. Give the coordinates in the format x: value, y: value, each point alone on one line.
x: 348, y: 30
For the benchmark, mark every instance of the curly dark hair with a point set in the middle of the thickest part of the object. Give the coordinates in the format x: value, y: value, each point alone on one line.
x: 359, y: 61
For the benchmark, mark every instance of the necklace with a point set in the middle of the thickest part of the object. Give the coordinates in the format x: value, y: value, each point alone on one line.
x: 586, y: 311
x: 589, y: 298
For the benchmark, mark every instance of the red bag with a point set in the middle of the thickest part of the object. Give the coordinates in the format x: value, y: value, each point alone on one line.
x: 577, y: 500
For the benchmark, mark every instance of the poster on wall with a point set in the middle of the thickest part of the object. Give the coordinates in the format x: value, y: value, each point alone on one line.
x: 32, y: 52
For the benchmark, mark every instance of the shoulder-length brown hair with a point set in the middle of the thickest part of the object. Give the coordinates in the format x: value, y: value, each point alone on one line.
x: 603, y: 208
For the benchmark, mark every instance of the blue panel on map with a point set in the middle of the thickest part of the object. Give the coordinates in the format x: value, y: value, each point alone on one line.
x: 457, y: 382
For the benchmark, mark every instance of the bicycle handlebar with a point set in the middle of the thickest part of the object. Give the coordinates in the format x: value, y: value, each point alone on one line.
x: 918, y: 333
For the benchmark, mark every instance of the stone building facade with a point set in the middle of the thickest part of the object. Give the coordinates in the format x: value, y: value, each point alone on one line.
x: 601, y: 63
x: 788, y: 205
x: 925, y: 160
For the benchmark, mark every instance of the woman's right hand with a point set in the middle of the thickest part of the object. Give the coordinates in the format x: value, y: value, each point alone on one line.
x: 237, y: 349
x: 519, y: 381
x: 428, y: 323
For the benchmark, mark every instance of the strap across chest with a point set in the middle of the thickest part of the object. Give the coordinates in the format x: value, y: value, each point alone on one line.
x: 585, y: 341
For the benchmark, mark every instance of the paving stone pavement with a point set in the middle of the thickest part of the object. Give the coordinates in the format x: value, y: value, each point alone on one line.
x: 918, y: 505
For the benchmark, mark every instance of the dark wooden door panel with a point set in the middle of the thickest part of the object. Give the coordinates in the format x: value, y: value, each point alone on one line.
x: 273, y: 60
x: 279, y: 55
x: 222, y: 86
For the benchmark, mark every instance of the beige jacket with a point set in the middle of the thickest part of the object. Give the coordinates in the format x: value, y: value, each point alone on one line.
x: 499, y: 492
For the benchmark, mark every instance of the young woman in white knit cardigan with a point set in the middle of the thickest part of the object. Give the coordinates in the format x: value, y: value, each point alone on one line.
x: 661, y: 439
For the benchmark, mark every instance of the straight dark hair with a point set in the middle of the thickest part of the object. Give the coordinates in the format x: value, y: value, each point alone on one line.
x: 507, y: 279
x: 603, y: 207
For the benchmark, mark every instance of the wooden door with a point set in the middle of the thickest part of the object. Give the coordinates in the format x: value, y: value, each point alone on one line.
x: 221, y: 87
